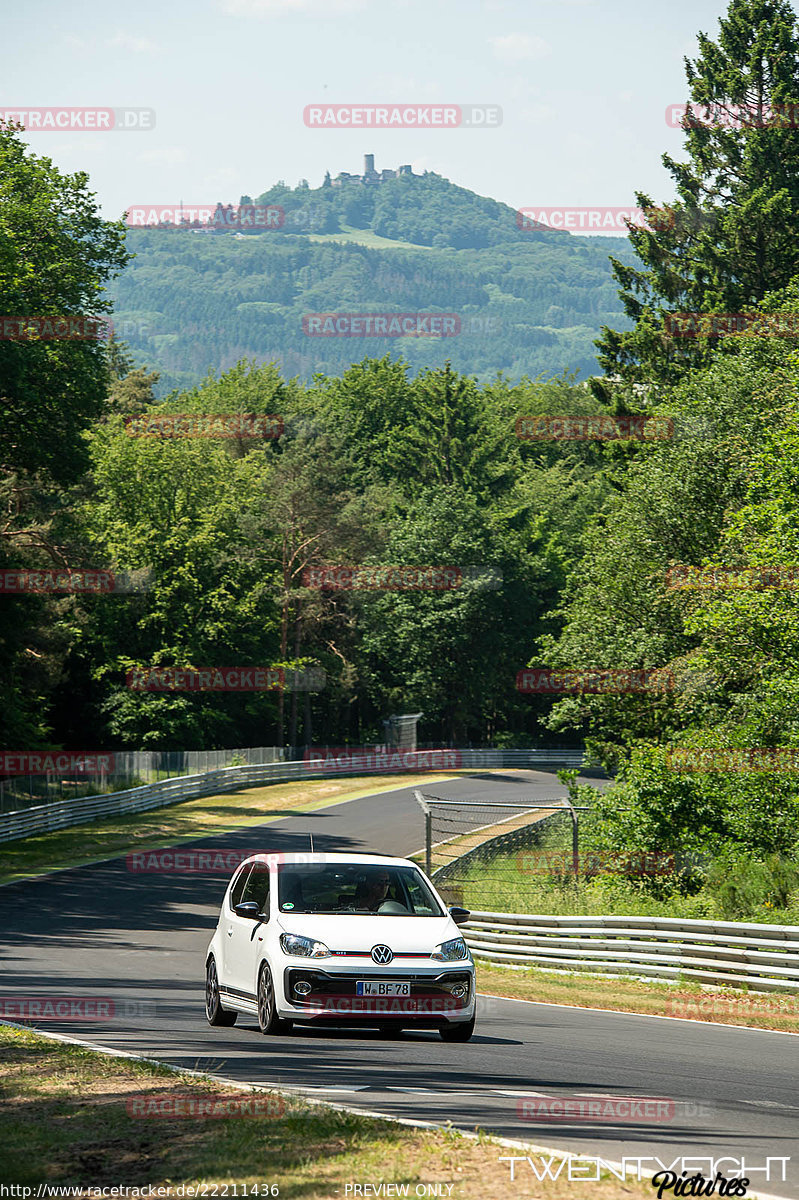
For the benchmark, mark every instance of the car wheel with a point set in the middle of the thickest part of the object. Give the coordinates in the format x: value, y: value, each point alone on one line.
x: 268, y: 1020
x: 215, y: 1013
x: 458, y: 1033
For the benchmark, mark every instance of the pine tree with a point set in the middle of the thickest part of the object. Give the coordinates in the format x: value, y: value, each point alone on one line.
x: 733, y: 234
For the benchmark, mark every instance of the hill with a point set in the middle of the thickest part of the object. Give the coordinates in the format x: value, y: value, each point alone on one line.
x: 528, y: 302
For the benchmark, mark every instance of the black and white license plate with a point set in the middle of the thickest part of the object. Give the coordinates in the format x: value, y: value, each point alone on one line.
x: 377, y: 987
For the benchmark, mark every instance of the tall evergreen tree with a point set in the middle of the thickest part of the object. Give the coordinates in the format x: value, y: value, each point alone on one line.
x: 733, y: 235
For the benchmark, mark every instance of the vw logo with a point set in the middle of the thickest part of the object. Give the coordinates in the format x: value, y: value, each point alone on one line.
x: 382, y: 954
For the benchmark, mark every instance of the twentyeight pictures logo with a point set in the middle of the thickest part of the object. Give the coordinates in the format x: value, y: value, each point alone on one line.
x: 76, y: 120
x: 402, y: 116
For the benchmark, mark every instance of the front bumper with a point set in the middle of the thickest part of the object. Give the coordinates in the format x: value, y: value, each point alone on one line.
x: 333, y: 999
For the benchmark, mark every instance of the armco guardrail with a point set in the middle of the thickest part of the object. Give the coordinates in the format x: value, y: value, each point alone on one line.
x: 764, y: 957
x: 81, y: 811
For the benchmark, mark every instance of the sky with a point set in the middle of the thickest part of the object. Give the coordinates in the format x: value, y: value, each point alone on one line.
x: 583, y: 86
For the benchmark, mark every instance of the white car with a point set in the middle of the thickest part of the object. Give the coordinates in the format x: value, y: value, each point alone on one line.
x: 356, y: 939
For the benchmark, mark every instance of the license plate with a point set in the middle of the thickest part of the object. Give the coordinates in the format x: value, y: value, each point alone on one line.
x: 376, y: 987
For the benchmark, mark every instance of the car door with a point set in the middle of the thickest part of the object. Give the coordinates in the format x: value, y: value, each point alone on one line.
x: 243, y: 935
x: 227, y: 925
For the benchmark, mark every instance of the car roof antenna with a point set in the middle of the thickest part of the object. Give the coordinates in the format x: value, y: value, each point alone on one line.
x: 310, y: 835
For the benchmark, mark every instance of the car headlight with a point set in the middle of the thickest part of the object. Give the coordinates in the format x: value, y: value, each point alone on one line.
x: 451, y: 951
x: 302, y: 947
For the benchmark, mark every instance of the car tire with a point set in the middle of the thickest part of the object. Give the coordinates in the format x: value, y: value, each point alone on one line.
x: 268, y: 1020
x: 458, y: 1033
x: 214, y: 1012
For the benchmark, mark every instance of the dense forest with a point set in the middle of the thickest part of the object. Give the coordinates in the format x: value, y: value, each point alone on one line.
x: 565, y: 549
x: 528, y: 301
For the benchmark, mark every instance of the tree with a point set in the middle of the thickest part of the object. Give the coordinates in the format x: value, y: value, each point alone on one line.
x: 56, y: 255
x: 733, y: 234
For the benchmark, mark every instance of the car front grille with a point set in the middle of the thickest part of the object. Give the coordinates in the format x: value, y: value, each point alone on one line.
x: 335, y: 994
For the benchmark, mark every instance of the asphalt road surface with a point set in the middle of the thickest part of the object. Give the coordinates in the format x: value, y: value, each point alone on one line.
x: 139, y: 940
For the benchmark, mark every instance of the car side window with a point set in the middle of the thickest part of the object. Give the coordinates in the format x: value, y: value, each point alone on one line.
x: 257, y: 887
x: 238, y: 886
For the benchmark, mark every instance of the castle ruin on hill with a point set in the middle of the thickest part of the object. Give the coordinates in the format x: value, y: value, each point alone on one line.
x: 370, y: 175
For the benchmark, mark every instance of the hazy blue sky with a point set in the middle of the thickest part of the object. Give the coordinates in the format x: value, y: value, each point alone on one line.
x: 583, y: 85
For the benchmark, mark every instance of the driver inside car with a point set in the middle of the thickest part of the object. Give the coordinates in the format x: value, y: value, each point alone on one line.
x: 372, y: 891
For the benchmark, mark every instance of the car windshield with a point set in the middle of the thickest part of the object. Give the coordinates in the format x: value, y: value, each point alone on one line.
x: 356, y: 888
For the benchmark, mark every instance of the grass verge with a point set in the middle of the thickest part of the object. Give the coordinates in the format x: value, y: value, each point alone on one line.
x: 67, y: 1120
x: 726, y: 1006
x: 186, y: 821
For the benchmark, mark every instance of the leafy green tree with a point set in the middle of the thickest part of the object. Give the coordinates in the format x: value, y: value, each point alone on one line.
x: 56, y: 256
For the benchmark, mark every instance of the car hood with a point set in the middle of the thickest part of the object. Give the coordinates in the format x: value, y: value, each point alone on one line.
x: 403, y: 935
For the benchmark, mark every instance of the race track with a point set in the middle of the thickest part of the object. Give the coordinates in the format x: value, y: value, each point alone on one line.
x: 139, y: 940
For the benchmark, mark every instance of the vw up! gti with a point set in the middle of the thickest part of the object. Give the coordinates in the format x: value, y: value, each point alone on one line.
x: 338, y: 939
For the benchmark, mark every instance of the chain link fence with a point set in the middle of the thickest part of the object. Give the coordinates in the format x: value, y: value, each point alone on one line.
x: 474, y: 850
x: 118, y: 770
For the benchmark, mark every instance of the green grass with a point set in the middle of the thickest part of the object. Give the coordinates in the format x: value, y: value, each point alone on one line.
x: 363, y: 237
x: 729, y: 1006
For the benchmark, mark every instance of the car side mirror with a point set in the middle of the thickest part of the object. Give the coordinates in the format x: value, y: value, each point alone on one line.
x: 459, y: 915
x: 248, y: 909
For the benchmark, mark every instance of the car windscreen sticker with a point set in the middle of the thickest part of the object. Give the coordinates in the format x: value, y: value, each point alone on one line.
x: 287, y: 905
